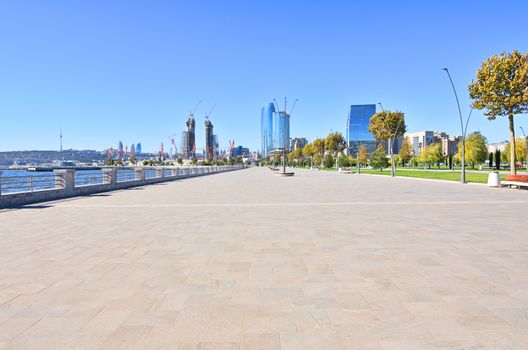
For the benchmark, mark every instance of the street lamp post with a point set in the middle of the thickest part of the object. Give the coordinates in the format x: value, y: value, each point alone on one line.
x: 464, y: 129
x: 525, y: 147
x: 284, y: 143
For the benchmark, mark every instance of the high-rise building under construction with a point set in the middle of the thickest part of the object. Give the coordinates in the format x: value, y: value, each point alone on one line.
x: 189, y: 140
x: 209, y: 140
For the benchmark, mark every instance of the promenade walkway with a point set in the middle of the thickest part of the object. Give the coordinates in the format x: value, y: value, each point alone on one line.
x: 246, y: 260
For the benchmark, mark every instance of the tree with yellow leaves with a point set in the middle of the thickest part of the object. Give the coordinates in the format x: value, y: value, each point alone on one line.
x: 501, y: 89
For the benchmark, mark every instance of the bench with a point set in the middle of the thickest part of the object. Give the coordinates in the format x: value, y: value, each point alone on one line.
x: 519, y: 181
x: 516, y: 184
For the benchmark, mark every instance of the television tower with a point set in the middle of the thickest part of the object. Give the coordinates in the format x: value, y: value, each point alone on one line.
x: 60, y: 152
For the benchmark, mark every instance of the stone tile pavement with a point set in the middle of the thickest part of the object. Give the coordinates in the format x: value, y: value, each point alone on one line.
x: 245, y: 260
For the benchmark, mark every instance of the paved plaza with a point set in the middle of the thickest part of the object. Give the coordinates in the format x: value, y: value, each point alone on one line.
x: 246, y: 260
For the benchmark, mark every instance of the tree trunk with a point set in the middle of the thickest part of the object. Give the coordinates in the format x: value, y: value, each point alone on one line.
x: 513, y: 161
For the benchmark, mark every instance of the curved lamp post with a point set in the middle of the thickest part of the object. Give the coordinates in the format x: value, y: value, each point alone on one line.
x: 464, y: 129
x: 525, y: 147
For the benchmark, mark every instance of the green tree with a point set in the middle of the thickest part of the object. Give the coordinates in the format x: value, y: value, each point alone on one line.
x: 521, y: 145
x: 435, y: 154
x: 180, y: 161
x: 476, y: 149
x: 363, y: 155
x: 194, y: 161
x: 497, y: 159
x: 343, y: 161
x: 501, y: 89
x: 378, y: 159
x: 328, y: 161
x: 431, y: 154
x: 133, y: 160
x: 406, y: 152
x: 490, y: 159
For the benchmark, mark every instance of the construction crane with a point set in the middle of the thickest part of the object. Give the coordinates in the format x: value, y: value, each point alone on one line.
x: 193, y: 112
x: 231, y: 147
x: 207, y: 115
x: 294, y: 103
x: 172, y: 139
x: 173, y: 143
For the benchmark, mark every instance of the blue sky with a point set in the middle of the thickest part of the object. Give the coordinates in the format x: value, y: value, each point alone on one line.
x: 130, y: 70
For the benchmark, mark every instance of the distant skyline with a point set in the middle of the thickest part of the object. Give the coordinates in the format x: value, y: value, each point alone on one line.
x: 104, y: 71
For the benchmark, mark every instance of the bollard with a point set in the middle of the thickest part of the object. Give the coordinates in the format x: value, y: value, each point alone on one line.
x: 139, y: 174
x: 109, y: 176
x: 67, y: 177
x: 494, y: 179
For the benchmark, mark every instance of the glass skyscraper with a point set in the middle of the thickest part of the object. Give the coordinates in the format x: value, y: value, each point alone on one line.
x: 357, y: 128
x: 275, y: 130
x: 281, y: 131
x: 266, y: 128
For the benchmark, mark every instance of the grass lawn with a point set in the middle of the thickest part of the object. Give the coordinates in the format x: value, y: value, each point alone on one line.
x: 435, y: 175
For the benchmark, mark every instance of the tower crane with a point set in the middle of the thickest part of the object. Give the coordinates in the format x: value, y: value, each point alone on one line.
x: 207, y: 115
x: 193, y: 112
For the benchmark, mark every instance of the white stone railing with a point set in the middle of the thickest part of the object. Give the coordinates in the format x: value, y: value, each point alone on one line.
x: 66, y: 184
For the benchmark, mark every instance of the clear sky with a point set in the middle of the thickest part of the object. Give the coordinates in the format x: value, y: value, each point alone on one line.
x: 106, y: 71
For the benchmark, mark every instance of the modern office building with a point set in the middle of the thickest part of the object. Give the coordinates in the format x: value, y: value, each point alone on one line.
x: 357, y: 133
x: 419, y: 140
x: 449, y: 143
x: 209, y: 140
x: 297, y: 142
x: 266, y: 127
x: 281, y: 131
x: 241, y: 151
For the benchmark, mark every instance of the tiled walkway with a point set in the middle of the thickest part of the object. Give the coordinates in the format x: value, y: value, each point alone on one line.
x: 246, y: 260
